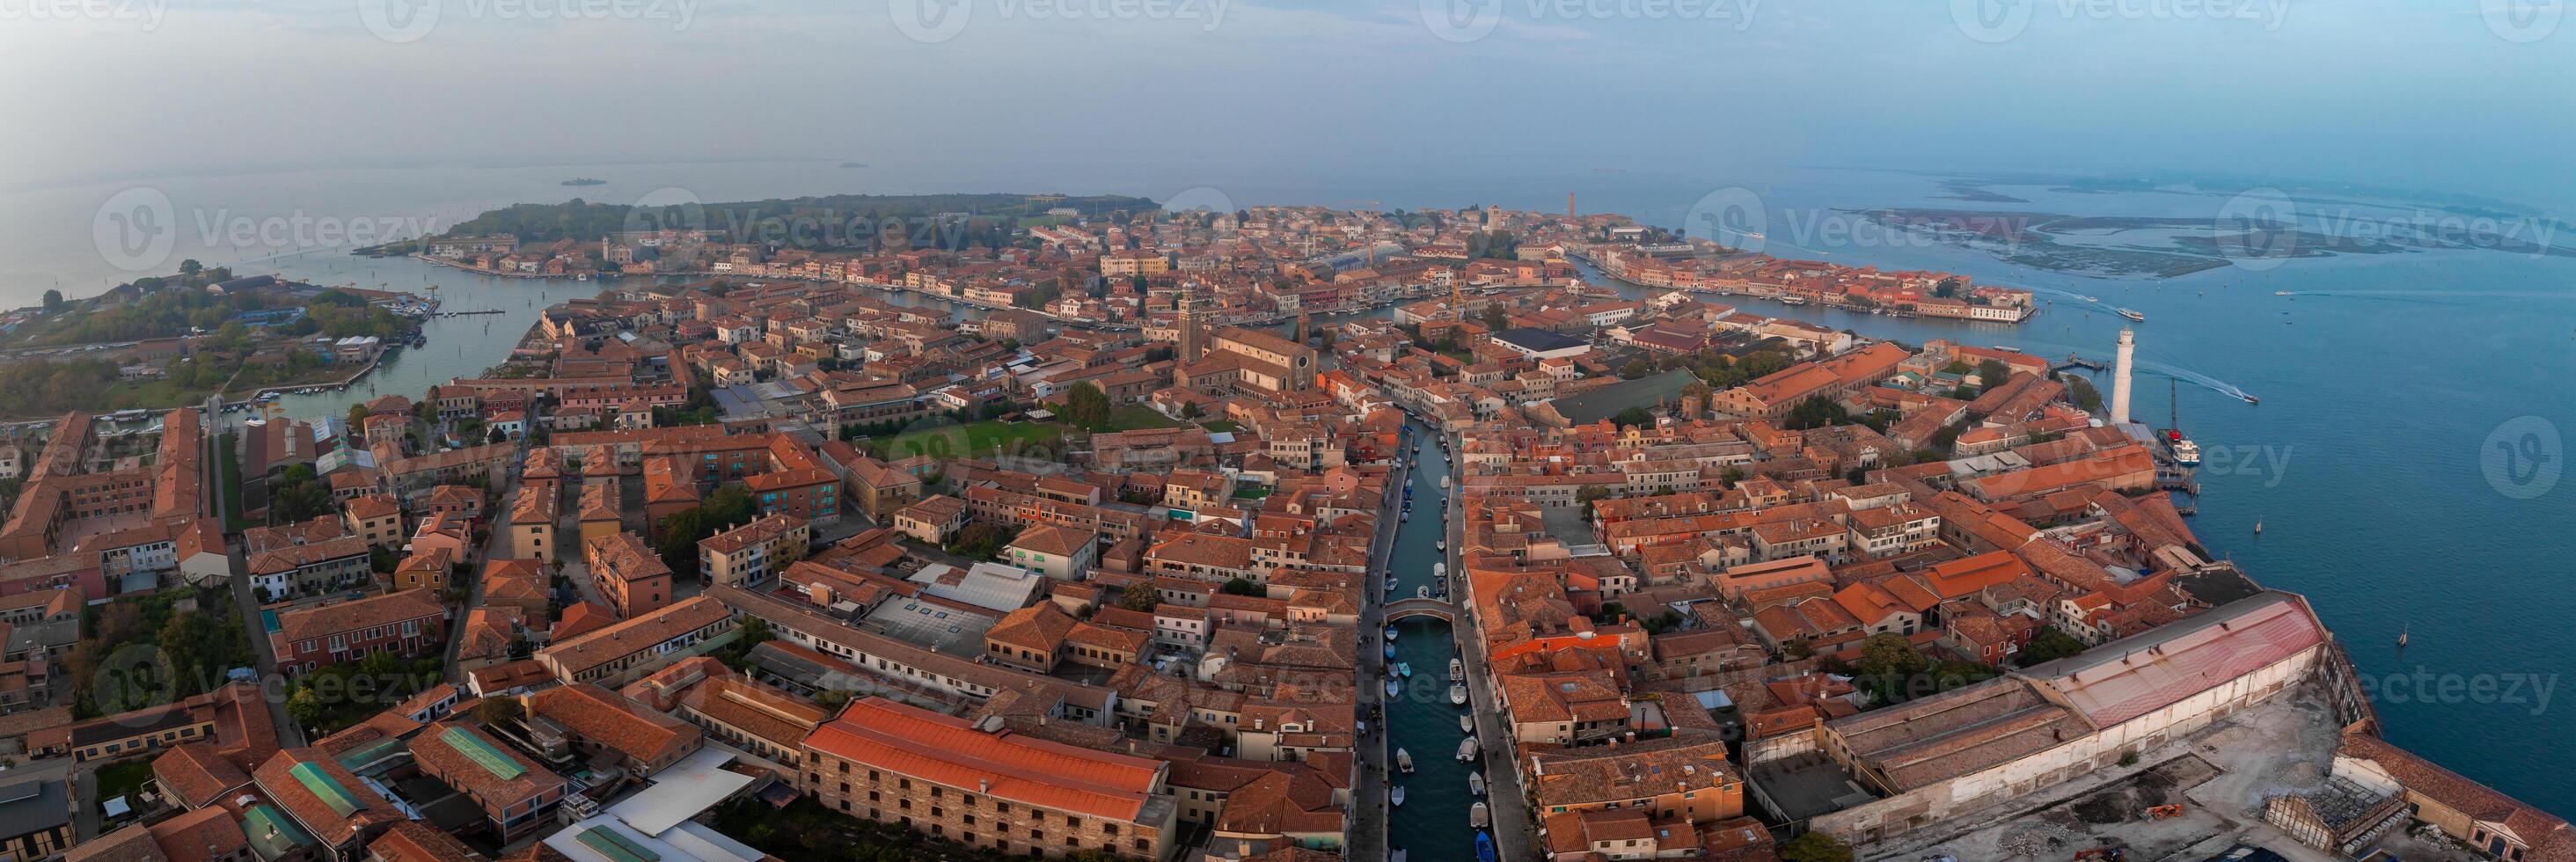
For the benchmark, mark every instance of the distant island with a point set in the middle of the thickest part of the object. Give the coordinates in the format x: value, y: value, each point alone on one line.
x: 584, y: 181
x: 854, y: 164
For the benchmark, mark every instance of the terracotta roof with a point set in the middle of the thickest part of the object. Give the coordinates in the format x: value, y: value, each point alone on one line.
x: 1054, y: 540
x: 616, y: 721
x: 367, y: 507
x: 911, y: 741
x: 197, y: 775
x: 1040, y: 627
x: 315, y: 623
x: 414, y: 841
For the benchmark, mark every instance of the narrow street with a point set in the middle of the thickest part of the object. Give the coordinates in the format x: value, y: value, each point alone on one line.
x: 271, y: 683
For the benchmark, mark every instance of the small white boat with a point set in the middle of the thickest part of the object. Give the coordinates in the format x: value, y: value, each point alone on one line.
x: 1398, y: 857
x: 1439, y: 570
x: 1467, y: 749
x: 1442, y: 544
x: 1458, y: 694
x: 1457, y: 671
x: 1406, y: 517
x: 1476, y: 783
x: 1403, y: 760
x: 1392, y: 688
x: 1396, y: 797
x: 1422, y: 592
x: 1478, y: 816
x: 1466, y: 723
x: 1404, y: 669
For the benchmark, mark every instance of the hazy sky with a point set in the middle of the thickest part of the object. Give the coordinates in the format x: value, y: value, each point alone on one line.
x: 2448, y: 94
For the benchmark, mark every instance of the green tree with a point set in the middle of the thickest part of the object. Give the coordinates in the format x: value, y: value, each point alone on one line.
x: 1140, y: 597
x: 1241, y: 587
x: 1817, y: 412
x: 1992, y: 373
x: 1585, y: 495
x: 1190, y: 410
x: 1086, y: 407
x: 2047, y: 644
x: 1635, y: 368
x: 304, y: 705
x: 1496, y: 319
x: 495, y: 710
x: 1887, y: 663
x: 1634, y: 417
x: 1815, y: 847
x: 54, y: 300
x: 2081, y: 391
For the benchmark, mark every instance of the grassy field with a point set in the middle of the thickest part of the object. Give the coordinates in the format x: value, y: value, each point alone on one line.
x: 1135, y: 416
x: 978, y: 440
x: 120, y: 779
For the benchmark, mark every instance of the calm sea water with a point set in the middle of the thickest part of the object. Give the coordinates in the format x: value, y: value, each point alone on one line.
x: 2363, y: 462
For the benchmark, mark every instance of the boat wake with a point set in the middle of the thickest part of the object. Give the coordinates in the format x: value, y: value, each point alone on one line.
x: 2196, y: 378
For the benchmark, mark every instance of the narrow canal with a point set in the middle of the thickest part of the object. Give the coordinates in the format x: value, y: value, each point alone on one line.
x: 1432, y: 824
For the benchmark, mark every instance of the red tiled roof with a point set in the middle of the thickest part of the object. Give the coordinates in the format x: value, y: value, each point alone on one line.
x: 912, y: 741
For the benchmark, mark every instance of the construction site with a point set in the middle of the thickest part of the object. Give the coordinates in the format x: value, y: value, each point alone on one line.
x: 2197, y: 799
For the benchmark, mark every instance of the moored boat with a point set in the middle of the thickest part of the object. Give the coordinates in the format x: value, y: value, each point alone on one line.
x: 1403, y: 760
x: 1392, y: 688
x: 1467, y: 749
x: 1457, y: 669
x: 1478, y: 815
x: 1422, y: 592
x: 1466, y: 723
x: 1458, y: 694
x: 1404, y: 669
x: 1484, y: 847
x: 1396, y: 797
x: 1476, y: 783
x: 1390, y: 634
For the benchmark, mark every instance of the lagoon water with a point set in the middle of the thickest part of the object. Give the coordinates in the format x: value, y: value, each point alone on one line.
x: 2367, y: 462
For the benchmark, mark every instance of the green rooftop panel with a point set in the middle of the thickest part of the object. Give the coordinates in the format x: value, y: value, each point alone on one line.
x: 326, y: 788
x: 492, y: 759
x: 616, y: 846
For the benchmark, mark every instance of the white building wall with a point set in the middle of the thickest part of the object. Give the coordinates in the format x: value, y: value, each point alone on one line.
x: 2093, y: 753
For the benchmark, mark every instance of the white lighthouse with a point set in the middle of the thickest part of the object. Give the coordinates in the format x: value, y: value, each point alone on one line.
x: 2120, y: 376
